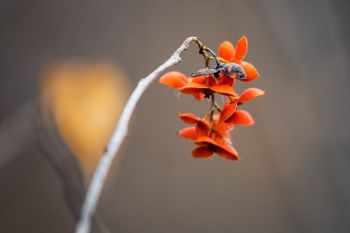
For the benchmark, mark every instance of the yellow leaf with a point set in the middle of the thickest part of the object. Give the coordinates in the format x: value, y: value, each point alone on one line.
x: 85, y: 101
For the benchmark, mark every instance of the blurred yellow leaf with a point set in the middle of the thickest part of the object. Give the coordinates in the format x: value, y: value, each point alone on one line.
x: 85, y: 101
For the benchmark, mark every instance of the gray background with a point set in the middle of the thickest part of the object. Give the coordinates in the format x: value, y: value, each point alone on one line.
x: 294, y: 175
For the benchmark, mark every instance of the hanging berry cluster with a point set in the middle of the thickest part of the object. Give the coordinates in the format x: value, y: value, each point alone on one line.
x: 211, y: 133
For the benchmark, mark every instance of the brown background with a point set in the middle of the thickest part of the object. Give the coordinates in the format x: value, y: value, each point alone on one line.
x: 294, y: 175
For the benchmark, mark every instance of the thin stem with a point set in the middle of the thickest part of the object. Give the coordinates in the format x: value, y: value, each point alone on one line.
x: 96, y: 185
x: 218, y: 108
x: 212, y: 105
x: 212, y: 109
x: 204, y: 50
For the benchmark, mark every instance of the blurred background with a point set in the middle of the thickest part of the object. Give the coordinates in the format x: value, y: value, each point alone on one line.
x: 67, y: 67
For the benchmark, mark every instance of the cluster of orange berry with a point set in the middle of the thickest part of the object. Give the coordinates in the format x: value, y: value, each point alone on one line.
x: 211, y: 133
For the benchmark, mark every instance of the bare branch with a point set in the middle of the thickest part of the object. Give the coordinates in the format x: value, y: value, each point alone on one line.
x: 26, y: 127
x: 95, y: 187
x: 64, y: 162
x: 17, y: 131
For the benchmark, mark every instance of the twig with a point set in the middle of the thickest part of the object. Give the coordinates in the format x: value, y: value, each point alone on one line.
x: 95, y: 187
x: 67, y: 167
x: 25, y: 127
x: 17, y: 131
